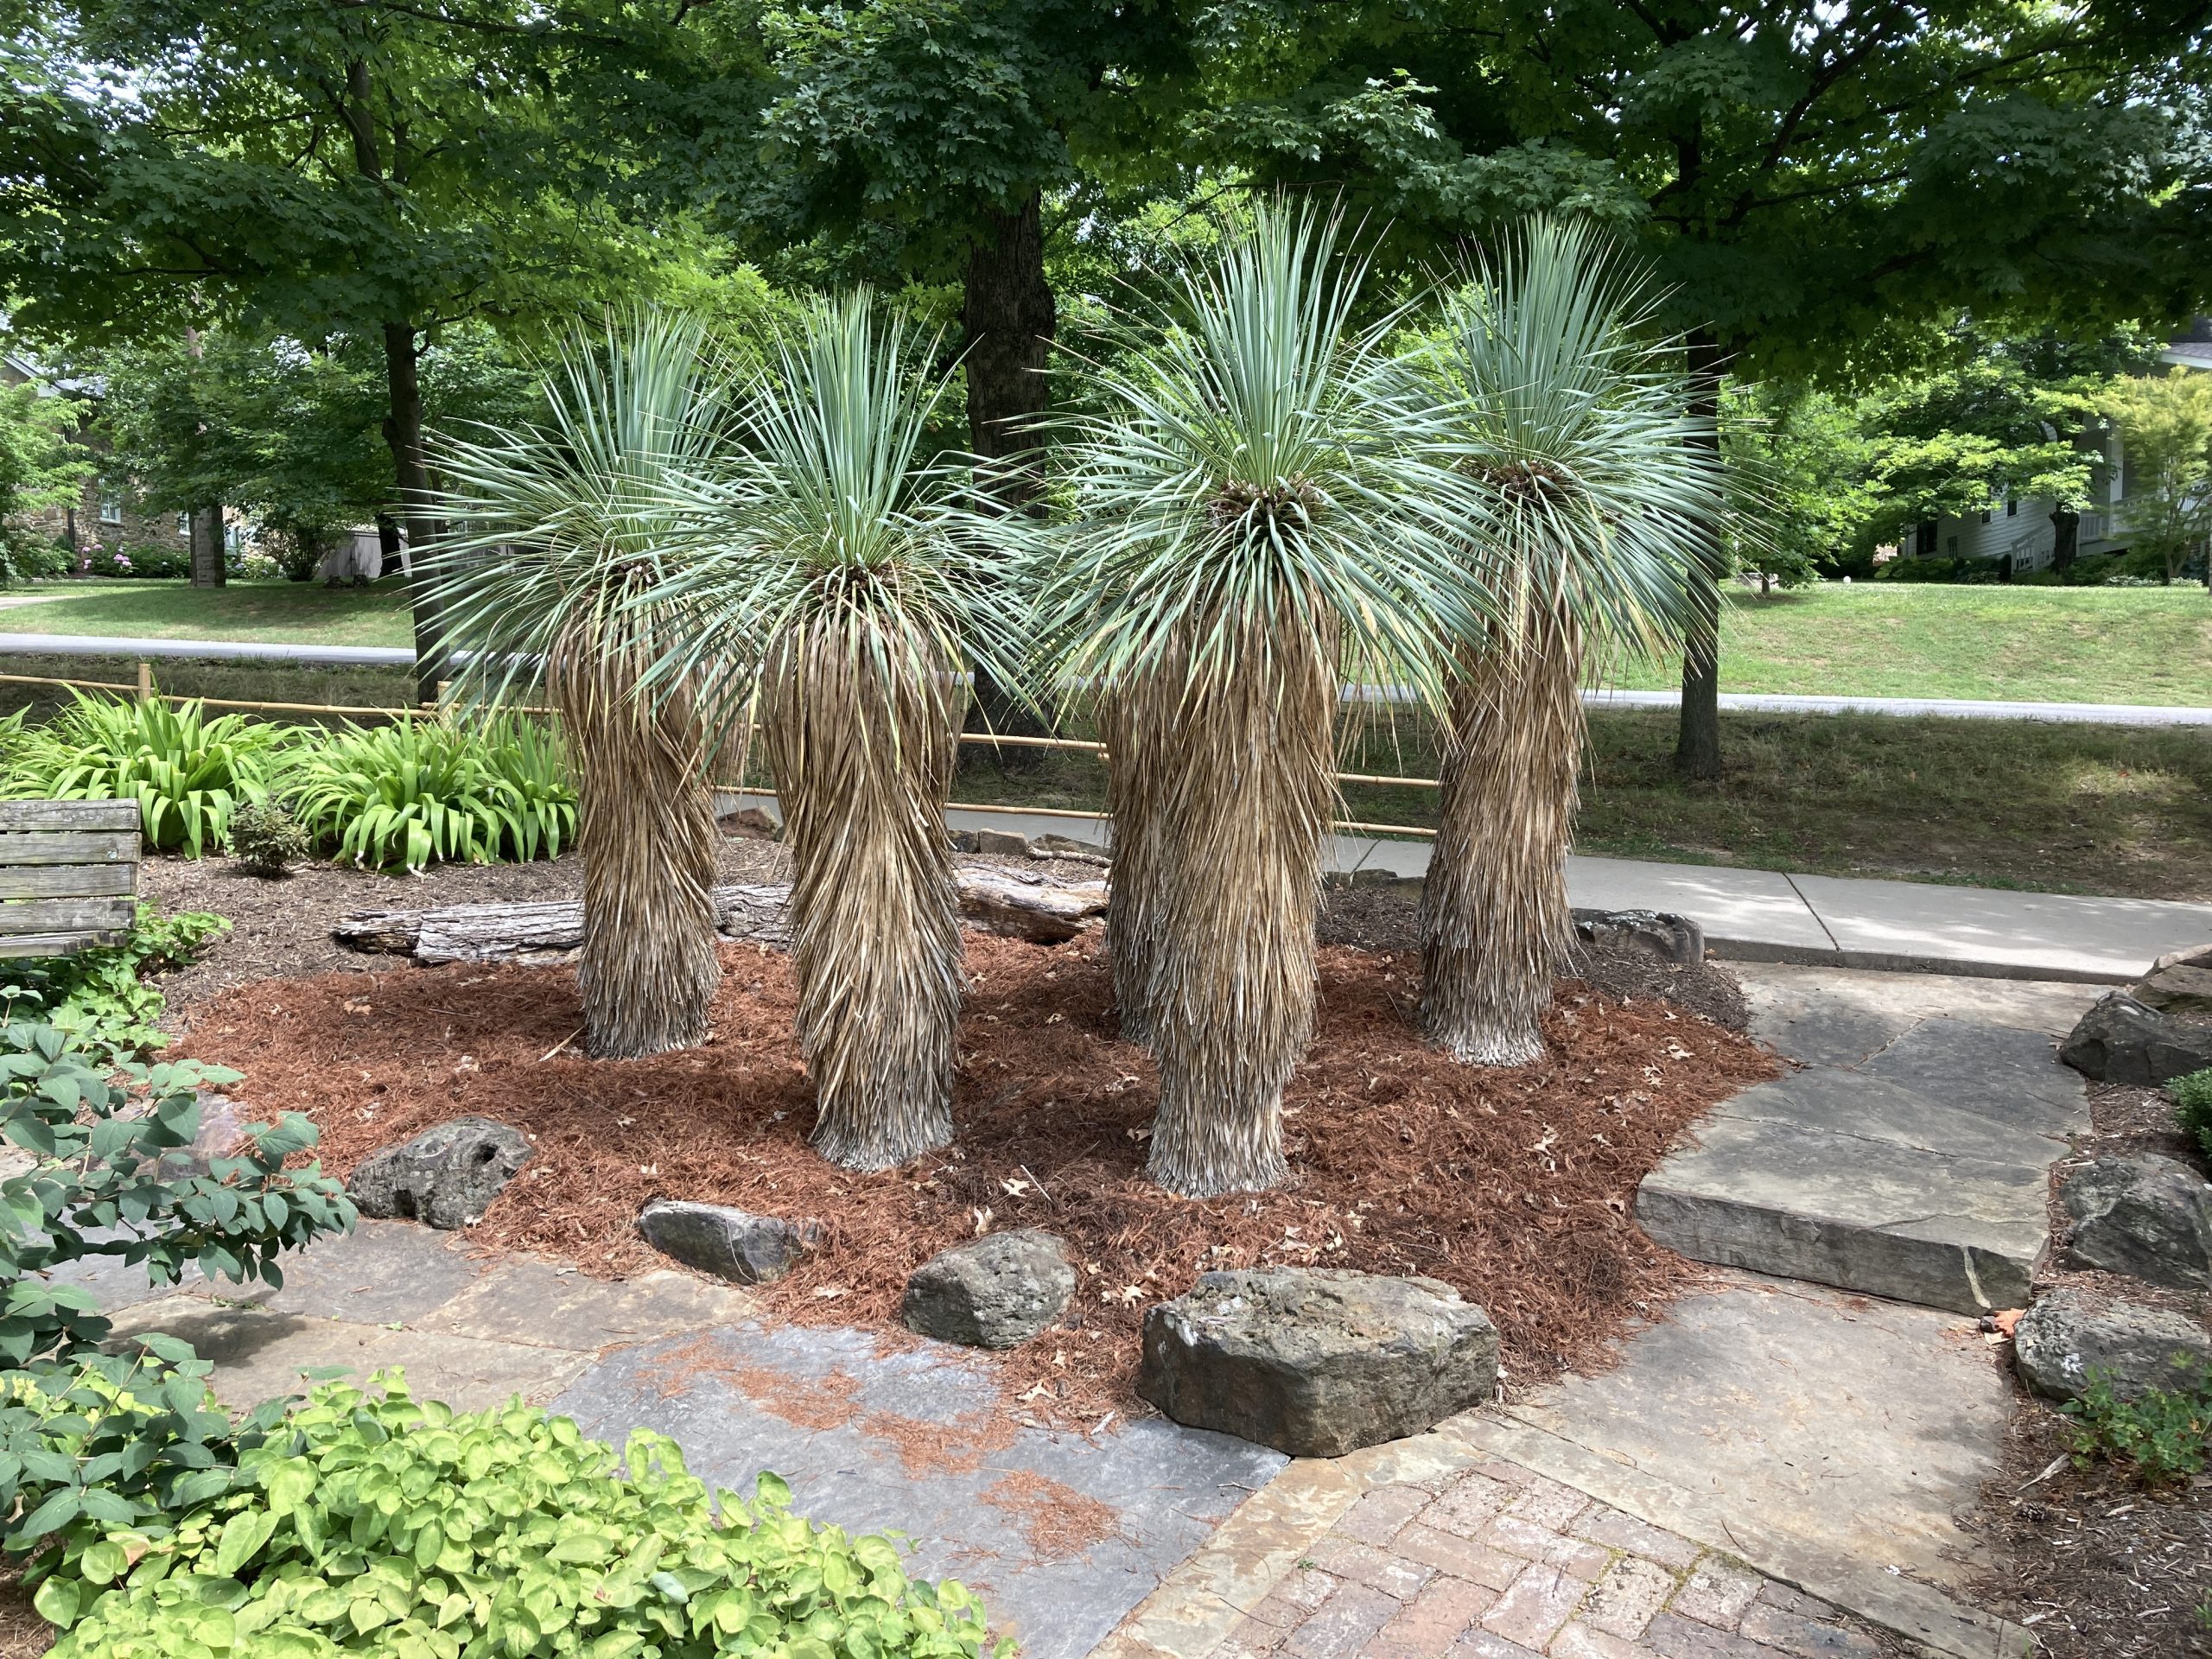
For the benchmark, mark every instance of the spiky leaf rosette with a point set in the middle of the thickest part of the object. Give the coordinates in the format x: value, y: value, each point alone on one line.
x: 1601, y: 490
x: 563, y: 523
x: 837, y: 555
x: 1261, y: 508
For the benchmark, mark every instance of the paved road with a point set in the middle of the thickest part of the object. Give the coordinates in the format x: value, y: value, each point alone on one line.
x: 2122, y: 714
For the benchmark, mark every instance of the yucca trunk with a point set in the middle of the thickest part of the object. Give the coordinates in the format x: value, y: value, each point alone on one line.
x: 1494, y: 923
x: 646, y: 820
x: 861, y: 746
x: 1134, y: 730
x: 1247, y: 787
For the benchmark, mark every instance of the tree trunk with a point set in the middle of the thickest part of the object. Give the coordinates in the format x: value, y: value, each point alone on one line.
x: 861, y: 768
x: 2065, y: 537
x: 645, y: 819
x: 1697, y: 744
x: 207, y: 542
x: 1008, y: 323
x: 1246, y: 804
x: 1495, y: 922
x: 402, y: 432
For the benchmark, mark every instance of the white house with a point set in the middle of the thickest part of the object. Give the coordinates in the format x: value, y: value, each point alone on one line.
x: 2021, y: 528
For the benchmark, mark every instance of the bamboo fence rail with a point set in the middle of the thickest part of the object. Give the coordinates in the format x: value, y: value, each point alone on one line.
x: 144, y: 692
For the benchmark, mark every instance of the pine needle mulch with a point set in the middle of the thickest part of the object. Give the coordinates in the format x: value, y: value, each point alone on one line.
x: 1514, y: 1187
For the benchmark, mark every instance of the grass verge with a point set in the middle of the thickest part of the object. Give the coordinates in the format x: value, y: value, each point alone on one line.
x: 2050, y: 807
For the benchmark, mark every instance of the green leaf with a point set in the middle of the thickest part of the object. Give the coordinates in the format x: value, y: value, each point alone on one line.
x: 57, y: 1600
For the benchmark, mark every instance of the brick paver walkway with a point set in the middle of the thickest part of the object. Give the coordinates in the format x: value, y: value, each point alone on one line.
x: 1496, y: 1562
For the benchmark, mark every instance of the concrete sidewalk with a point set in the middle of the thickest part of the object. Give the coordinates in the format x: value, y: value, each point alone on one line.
x: 1767, y: 916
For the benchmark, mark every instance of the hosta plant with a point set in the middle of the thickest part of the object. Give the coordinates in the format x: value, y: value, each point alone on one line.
x: 188, y: 772
x: 371, y: 1523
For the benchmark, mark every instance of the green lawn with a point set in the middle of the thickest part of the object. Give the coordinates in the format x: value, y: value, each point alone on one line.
x: 298, y: 613
x: 2052, y: 644
x: 1920, y: 639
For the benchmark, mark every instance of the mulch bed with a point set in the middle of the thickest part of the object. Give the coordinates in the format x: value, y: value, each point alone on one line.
x: 1513, y: 1185
x: 2097, y: 1565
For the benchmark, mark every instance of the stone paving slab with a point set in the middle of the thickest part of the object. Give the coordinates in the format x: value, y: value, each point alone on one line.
x: 1908, y: 1157
x: 259, y: 1354
x: 1062, y: 1533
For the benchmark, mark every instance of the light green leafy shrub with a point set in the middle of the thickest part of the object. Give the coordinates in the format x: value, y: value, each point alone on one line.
x: 418, y: 792
x: 373, y: 1523
x: 109, y: 1181
x: 188, y: 772
x: 2192, y: 1098
x: 100, y: 994
x: 264, y: 837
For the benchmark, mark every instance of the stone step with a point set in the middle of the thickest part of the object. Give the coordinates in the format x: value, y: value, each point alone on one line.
x: 1935, y: 1193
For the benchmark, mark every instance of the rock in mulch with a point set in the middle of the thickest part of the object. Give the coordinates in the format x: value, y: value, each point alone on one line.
x: 1316, y: 1362
x: 993, y: 1292
x: 2147, y: 1215
x: 2062, y: 1340
x: 446, y: 1177
x: 1658, y: 933
x: 2158, y: 1029
x: 733, y: 1245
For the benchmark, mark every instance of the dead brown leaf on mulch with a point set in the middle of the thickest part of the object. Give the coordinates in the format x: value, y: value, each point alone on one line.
x: 1514, y: 1186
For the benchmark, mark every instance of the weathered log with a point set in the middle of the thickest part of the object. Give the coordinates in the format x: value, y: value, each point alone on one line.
x: 1008, y: 902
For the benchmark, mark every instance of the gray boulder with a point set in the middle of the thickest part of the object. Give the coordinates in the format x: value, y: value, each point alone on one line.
x: 2062, y: 1340
x: 733, y: 1244
x: 993, y: 1292
x: 2158, y: 1029
x: 2147, y: 1215
x: 1657, y: 933
x: 1003, y: 843
x: 1316, y: 1362
x: 446, y: 1177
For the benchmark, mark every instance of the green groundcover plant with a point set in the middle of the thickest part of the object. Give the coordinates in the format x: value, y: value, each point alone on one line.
x: 369, y: 1523
x: 99, y: 995
x: 2160, y: 1436
x: 2192, y: 1098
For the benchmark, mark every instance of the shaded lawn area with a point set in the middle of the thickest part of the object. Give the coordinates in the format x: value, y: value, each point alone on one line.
x: 295, y: 613
x: 1922, y: 639
x: 2118, y: 809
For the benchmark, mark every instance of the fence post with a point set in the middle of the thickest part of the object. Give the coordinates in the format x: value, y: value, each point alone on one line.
x: 145, y: 682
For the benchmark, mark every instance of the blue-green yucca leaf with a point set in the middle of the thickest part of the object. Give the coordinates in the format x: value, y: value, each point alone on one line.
x: 1263, y: 464
x: 828, y: 519
x: 1579, y: 432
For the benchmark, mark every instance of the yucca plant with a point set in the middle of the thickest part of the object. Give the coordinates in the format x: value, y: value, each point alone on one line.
x: 1599, y: 488
x: 566, y: 522
x: 838, y: 553
x: 188, y: 771
x: 1261, y: 508
x: 424, y: 792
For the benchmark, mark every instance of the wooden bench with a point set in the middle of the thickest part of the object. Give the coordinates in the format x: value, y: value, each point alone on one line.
x: 68, y: 876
